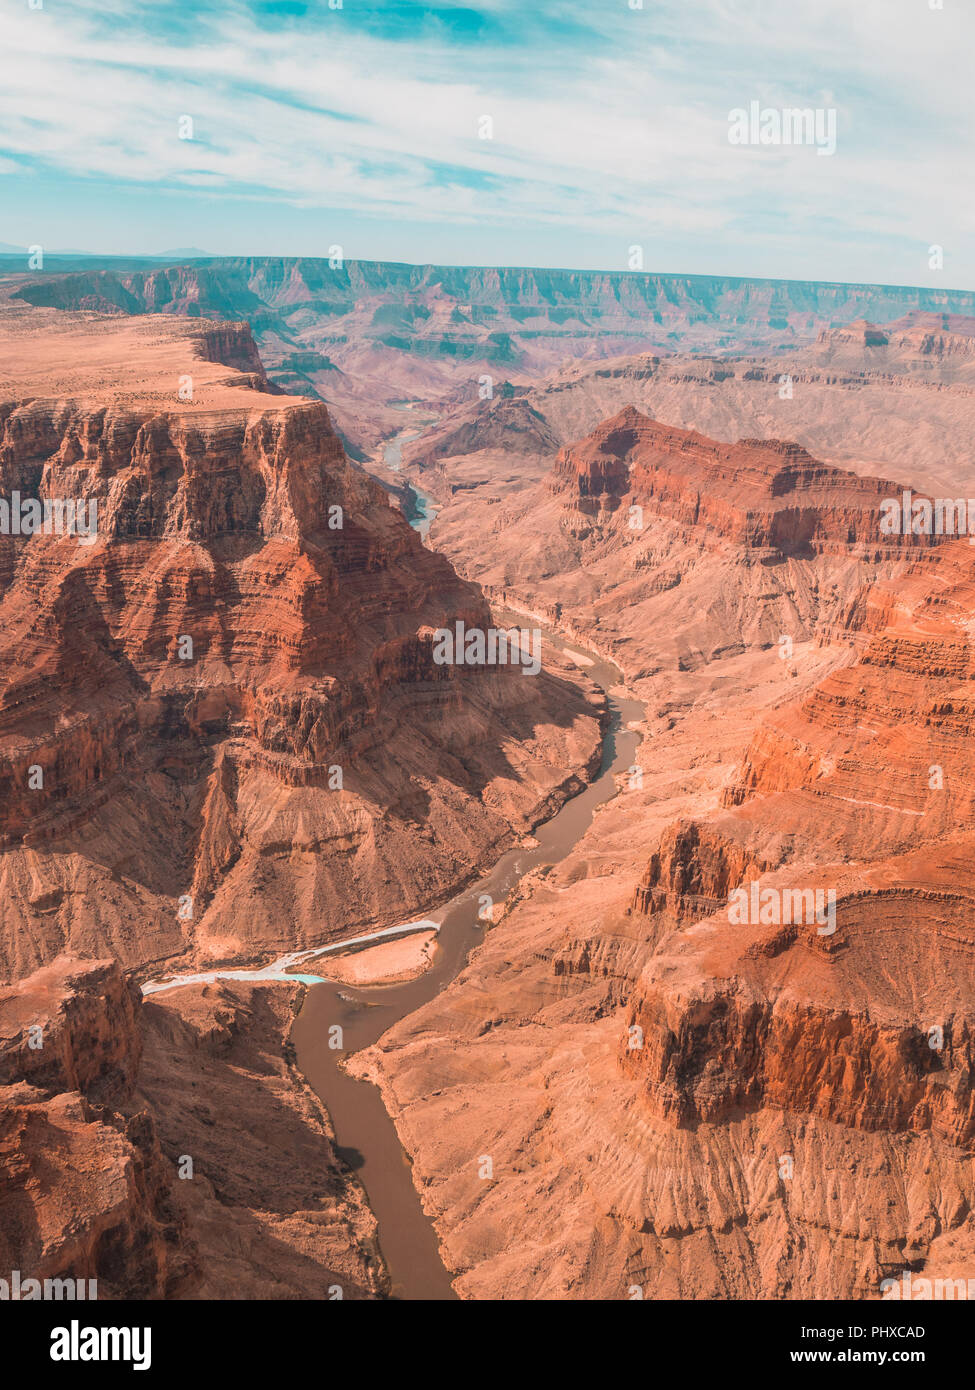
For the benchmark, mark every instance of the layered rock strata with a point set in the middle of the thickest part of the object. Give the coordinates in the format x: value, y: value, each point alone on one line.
x: 85, y: 1190
x: 222, y: 727
x: 734, y: 1028
x: 662, y: 547
x: 168, y: 1150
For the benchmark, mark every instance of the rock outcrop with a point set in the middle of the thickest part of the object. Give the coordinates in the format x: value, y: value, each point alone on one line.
x: 85, y: 1192
x: 226, y: 694
x: 734, y: 1029
x: 506, y: 422
x: 759, y: 494
x: 169, y: 1149
x: 694, y: 871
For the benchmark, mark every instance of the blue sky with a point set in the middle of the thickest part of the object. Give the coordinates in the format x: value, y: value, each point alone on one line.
x: 359, y: 126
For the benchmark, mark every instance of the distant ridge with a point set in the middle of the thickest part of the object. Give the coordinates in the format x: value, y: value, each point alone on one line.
x: 180, y: 253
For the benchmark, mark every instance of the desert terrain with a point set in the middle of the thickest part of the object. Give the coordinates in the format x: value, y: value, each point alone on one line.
x: 618, y: 1087
x: 221, y: 727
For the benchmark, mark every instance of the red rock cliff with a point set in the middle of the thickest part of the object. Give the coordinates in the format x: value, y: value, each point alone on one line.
x: 228, y: 697
x: 85, y: 1192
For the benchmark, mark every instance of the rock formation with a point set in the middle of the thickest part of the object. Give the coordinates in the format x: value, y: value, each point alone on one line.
x: 169, y: 1150
x: 85, y: 1192
x: 711, y: 1095
x: 659, y: 545
x: 222, y: 730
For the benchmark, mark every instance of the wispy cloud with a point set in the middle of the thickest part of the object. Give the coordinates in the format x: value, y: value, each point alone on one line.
x: 607, y: 120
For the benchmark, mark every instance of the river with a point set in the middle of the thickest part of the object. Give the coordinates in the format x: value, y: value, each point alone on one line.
x: 425, y: 507
x: 365, y: 1134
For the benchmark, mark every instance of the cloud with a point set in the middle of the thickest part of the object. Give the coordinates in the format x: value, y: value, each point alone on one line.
x: 604, y: 118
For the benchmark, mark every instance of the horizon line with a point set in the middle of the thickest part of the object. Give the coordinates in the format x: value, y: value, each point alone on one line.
x: 165, y: 260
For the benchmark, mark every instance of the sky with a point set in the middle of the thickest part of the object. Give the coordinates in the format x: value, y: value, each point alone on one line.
x: 558, y: 133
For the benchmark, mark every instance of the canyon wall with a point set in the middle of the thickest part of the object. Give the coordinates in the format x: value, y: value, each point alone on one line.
x: 85, y: 1191
x: 662, y: 547
x: 222, y: 730
x: 365, y: 336
x: 169, y: 1149
x: 710, y: 1095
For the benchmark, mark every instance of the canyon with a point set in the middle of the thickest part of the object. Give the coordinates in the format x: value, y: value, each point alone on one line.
x: 698, y: 1108
x: 366, y: 337
x: 612, y: 1088
x: 893, y: 401
x: 232, y: 695
x: 222, y: 733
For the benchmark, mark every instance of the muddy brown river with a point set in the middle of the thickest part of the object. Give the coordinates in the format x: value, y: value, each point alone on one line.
x: 365, y: 1134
